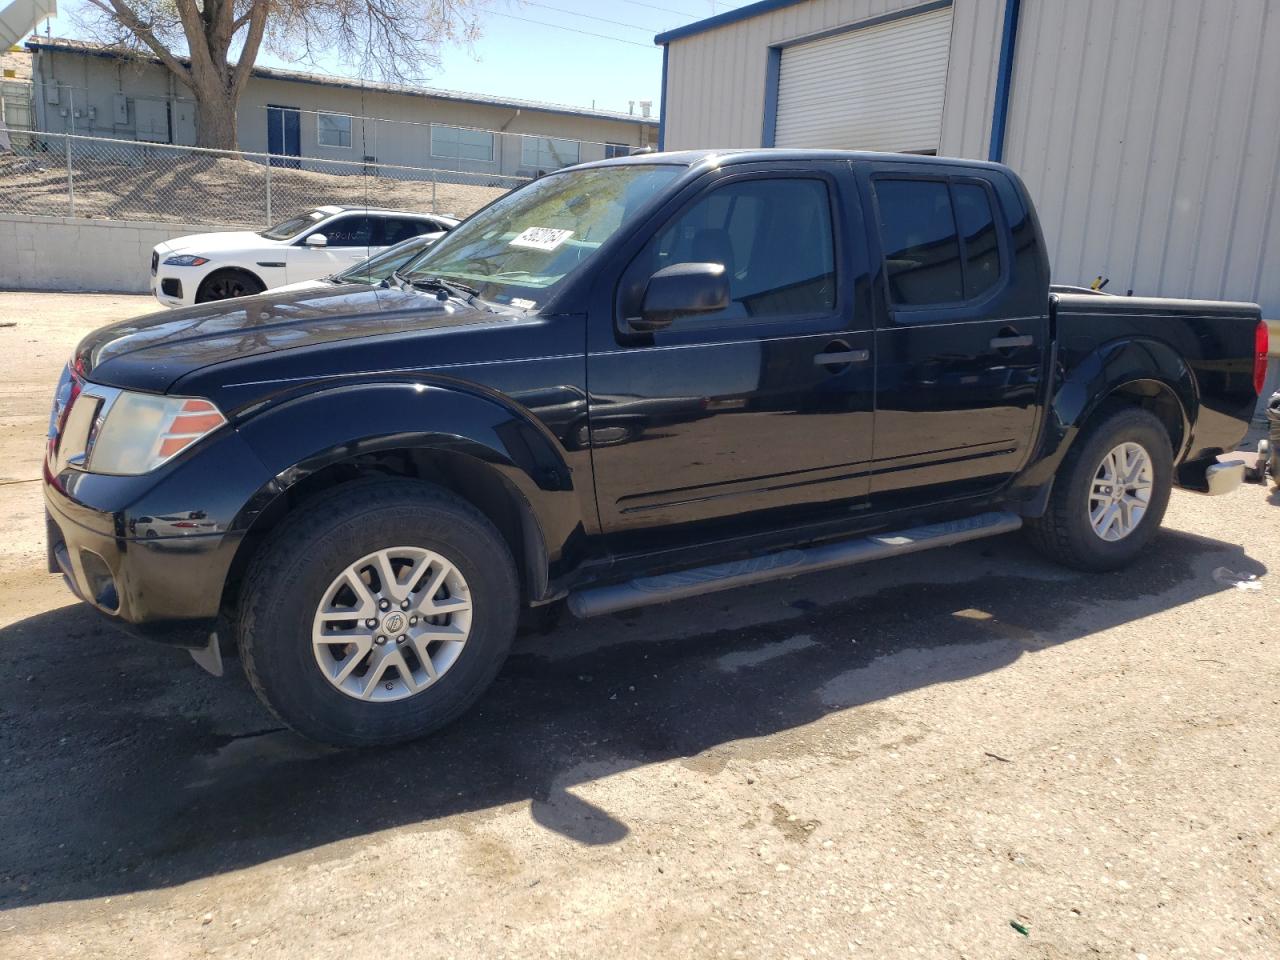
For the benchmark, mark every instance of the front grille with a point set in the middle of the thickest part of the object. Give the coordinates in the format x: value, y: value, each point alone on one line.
x: 155, y: 262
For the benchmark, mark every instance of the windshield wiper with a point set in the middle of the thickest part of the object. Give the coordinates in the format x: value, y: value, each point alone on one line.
x: 459, y: 291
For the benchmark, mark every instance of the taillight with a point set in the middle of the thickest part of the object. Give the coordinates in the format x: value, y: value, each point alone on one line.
x: 1261, y: 347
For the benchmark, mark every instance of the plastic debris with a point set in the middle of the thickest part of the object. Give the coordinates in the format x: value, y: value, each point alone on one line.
x: 1020, y: 928
x: 1241, y: 581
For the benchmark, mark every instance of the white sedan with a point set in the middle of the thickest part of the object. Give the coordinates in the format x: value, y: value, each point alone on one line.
x: 318, y: 243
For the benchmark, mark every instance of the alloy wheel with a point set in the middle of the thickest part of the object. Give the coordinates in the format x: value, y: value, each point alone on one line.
x: 392, y: 624
x: 1121, y: 491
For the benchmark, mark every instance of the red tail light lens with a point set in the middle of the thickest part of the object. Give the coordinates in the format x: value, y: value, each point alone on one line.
x: 1261, y: 347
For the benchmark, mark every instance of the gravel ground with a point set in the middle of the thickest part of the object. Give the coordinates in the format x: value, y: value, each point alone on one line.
x: 966, y: 753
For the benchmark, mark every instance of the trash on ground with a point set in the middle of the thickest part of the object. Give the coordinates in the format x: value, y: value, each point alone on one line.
x: 1241, y: 581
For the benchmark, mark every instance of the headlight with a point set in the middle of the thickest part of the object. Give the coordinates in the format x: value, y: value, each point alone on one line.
x: 186, y: 260
x: 138, y: 432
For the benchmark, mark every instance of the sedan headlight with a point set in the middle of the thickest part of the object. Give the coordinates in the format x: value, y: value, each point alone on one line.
x: 186, y: 260
x: 136, y: 432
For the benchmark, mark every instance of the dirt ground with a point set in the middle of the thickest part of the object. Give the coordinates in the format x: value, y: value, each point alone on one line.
x: 966, y: 753
x: 217, y: 190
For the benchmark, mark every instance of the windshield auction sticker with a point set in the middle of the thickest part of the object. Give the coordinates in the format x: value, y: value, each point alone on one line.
x: 540, y: 238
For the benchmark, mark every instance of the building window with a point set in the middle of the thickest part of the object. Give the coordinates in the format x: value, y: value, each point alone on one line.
x: 459, y: 143
x: 612, y: 150
x: 333, y: 130
x: 548, y: 153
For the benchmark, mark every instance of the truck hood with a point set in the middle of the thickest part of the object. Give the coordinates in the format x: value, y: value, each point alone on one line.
x: 152, y: 352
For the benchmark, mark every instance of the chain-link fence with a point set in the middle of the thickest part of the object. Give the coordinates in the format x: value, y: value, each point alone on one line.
x: 69, y: 175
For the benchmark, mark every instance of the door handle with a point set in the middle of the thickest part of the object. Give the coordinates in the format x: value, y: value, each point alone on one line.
x: 1011, y: 343
x: 841, y: 357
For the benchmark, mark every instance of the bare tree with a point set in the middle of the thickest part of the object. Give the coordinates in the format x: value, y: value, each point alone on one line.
x: 211, y: 45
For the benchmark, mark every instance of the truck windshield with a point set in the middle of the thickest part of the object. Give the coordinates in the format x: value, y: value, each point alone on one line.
x: 519, y: 250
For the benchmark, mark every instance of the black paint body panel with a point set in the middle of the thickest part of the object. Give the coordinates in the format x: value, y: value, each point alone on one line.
x: 629, y: 453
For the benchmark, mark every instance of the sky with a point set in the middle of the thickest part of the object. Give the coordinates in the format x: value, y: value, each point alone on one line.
x: 582, y: 53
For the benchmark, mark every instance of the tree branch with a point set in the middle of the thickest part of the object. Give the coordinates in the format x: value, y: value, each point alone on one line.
x: 130, y: 19
x: 252, y: 42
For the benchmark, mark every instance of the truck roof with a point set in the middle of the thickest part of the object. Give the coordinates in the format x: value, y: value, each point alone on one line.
x: 693, y: 158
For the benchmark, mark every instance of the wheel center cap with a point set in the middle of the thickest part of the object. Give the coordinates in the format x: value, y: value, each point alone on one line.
x: 395, y: 622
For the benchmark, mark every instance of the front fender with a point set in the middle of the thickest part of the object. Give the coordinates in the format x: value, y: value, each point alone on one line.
x: 305, y: 434
x: 1085, y: 383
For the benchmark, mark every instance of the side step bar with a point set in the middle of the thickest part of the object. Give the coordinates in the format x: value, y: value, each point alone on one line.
x: 789, y: 563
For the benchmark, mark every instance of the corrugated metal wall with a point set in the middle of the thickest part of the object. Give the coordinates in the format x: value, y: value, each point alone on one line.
x: 1149, y: 133
x: 715, y: 80
x: 899, y: 70
x: 1147, y: 130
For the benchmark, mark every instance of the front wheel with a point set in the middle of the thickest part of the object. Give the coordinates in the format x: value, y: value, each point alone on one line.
x: 378, y: 614
x: 1109, y: 495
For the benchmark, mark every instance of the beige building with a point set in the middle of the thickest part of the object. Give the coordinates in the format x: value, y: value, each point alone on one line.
x: 85, y: 89
x: 1146, y: 130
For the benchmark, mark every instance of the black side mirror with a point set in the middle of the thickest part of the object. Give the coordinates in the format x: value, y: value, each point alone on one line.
x: 679, y: 289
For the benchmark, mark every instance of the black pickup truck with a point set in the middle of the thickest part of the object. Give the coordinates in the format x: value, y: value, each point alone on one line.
x: 626, y: 382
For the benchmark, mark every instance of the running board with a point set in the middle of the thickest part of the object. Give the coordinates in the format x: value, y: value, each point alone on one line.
x: 788, y: 563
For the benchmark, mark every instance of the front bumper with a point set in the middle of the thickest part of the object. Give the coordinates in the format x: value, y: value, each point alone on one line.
x: 171, y: 291
x: 154, y: 552
x: 166, y: 589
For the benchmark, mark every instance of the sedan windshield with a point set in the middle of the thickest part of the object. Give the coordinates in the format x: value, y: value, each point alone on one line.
x: 288, y: 229
x: 520, y: 249
x: 380, y: 266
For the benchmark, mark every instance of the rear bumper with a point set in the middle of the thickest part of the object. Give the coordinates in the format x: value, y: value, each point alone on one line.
x: 1222, y: 478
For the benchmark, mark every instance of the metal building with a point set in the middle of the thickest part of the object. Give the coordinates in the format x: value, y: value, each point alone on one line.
x: 88, y: 89
x: 1146, y: 130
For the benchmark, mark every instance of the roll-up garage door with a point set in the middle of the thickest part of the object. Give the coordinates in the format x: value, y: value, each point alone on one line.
x: 876, y: 88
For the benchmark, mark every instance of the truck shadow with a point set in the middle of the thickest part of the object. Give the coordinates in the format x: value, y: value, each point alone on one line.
x: 125, y: 769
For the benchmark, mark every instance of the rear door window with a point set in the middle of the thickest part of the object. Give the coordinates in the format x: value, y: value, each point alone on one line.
x: 977, y: 222
x: 395, y: 229
x: 921, y: 242
x: 940, y: 239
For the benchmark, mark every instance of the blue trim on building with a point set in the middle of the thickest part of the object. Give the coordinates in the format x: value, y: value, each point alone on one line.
x: 662, y: 103
x: 719, y: 20
x: 772, y: 70
x: 1004, y: 80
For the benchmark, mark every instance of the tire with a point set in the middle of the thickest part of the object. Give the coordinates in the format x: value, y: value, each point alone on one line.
x: 1066, y: 533
x: 298, y: 570
x: 225, y: 284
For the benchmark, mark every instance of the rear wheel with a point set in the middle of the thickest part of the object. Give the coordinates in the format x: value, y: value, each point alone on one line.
x: 1109, y: 495
x: 225, y: 284
x: 378, y: 614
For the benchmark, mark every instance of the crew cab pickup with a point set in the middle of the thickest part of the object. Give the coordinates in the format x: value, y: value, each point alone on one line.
x: 624, y: 383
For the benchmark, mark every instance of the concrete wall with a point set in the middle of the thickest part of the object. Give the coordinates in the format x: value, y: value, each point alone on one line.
x: 66, y: 253
x: 86, y: 86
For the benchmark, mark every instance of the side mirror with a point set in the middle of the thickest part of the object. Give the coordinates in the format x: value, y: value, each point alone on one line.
x: 680, y: 289
x: 317, y: 240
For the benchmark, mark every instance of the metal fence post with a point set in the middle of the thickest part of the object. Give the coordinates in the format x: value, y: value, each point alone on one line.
x: 433, y: 193
x: 71, y: 180
x: 269, y: 221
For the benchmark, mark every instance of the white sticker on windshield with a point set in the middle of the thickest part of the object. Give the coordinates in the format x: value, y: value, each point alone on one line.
x: 522, y: 304
x: 540, y: 238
